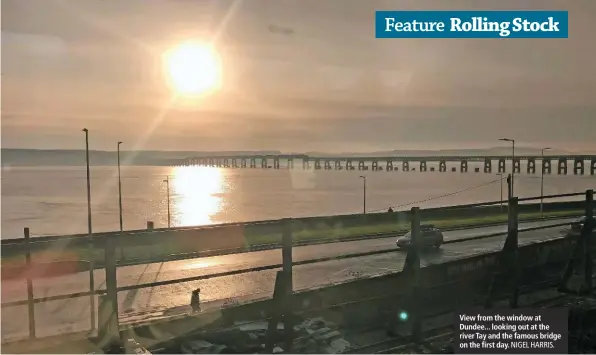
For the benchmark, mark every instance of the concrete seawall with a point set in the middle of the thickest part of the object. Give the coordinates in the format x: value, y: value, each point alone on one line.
x: 153, y: 244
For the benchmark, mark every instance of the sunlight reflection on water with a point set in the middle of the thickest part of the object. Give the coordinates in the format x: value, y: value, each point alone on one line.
x: 196, y: 194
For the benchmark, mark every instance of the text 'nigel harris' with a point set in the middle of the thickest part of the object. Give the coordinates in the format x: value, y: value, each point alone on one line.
x: 478, y: 24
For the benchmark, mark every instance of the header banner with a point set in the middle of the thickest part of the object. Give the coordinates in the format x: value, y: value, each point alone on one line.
x: 471, y: 24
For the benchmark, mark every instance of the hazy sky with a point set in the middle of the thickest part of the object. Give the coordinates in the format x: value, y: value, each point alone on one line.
x: 328, y: 85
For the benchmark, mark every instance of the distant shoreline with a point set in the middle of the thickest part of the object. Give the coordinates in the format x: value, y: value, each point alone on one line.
x: 13, y: 157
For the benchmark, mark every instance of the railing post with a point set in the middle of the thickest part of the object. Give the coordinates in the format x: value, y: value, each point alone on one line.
x: 588, y: 230
x: 275, y: 311
x: 30, y: 302
x: 508, y: 259
x: 582, y: 250
x: 411, y: 272
x: 415, y: 300
x: 511, y: 246
x: 109, y: 306
x: 287, y: 245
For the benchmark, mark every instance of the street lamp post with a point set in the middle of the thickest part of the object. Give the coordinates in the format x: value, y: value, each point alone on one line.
x: 120, y: 189
x: 167, y: 181
x: 542, y: 181
x: 364, y: 194
x: 512, y: 162
x: 90, y: 232
x: 120, y: 203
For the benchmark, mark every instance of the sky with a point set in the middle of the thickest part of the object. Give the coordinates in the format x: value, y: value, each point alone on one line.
x: 322, y: 83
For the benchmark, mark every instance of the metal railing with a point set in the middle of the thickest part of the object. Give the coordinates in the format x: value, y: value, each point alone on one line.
x: 108, y: 315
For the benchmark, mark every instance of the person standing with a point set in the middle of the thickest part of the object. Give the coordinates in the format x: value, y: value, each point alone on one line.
x: 195, y: 300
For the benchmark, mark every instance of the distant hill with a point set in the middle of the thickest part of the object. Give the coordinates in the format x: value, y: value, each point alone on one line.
x: 504, y: 151
x: 35, y: 157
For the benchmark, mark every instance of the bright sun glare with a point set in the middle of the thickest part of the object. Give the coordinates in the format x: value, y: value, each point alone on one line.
x: 193, y: 68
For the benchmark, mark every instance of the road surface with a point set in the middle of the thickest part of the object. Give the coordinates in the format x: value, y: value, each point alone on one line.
x: 73, y: 314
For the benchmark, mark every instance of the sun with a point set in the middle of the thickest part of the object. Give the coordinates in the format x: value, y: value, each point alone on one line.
x: 193, y: 68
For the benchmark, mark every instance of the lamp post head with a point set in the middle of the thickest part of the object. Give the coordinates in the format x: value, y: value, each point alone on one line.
x: 85, y: 130
x: 362, y: 177
x: 506, y: 140
x: 119, y: 143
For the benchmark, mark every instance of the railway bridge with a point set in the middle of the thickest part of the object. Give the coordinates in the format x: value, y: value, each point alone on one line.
x: 559, y: 164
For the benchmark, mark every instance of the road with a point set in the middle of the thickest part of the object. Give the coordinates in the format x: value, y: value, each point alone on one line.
x: 148, y: 303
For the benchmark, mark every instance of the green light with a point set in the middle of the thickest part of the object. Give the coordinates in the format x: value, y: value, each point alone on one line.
x: 403, y: 316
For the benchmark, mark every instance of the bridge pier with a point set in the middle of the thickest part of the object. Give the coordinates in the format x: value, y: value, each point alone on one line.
x: 405, y: 166
x: 264, y: 163
x: 253, y: 163
x: 562, y: 166
x: 389, y: 166
x: 517, y: 165
x: 234, y: 163
x: 211, y: 162
x: 275, y: 163
x: 226, y: 163
x: 290, y: 163
x: 375, y: 165
x: 317, y: 164
x: 488, y: 166
x: 578, y: 166
x: 327, y: 165
x: 593, y: 166
x: 502, y: 167
x: 349, y: 165
x: 442, y: 166
x: 362, y: 165
x: 422, y: 166
x: 464, y: 166
x: 546, y: 166
x: 531, y: 169
x: 337, y: 164
x: 243, y: 163
x: 305, y: 164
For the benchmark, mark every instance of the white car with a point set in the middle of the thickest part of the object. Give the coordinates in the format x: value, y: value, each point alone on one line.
x: 430, y: 236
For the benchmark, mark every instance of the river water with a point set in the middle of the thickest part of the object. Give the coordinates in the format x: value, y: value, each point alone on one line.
x: 52, y: 200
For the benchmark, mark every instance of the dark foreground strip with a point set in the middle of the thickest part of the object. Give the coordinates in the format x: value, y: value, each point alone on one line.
x: 444, y: 333
x: 253, y: 269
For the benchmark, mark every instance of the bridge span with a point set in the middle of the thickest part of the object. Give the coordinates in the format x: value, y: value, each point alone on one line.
x: 397, y: 163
